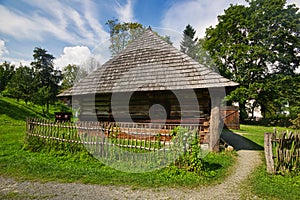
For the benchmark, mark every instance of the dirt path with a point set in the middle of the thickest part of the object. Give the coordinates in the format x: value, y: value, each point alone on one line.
x: 248, y: 159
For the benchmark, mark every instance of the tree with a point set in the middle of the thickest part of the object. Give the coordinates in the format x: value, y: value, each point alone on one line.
x: 6, y: 72
x: 250, y: 43
x: 202, y: 55
x: 167, y: 39
x: 121, y: 34
x: 188, y: 43
x: 256, y: 45
x: 90, y: 64
x: 20, y: 86
x: 47, y: 79
x: 71, y: 75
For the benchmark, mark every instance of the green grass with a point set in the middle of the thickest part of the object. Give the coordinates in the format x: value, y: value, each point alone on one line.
x: 275, y: 186
x: 265, y: 185
x: 17, y: 111
x: 256, y: 133
x: 60, y: 166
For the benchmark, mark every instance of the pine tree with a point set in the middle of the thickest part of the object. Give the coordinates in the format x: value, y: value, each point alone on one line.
x: 46, y: 77
x: 188, y: 43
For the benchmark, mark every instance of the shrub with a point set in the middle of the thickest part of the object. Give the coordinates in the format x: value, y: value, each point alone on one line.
x: 296, y: 122
x: 189, y: 143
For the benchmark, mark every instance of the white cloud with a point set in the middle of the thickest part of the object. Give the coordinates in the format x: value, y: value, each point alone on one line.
x: 199, y: 13
x: 18, y: 62
x: 55, y: 18
x: 73, y: 55
x: 125, y: 12
x: 3, y: 49
x: 296, y: 2
x: 90, y: 16
x: 18, y: 26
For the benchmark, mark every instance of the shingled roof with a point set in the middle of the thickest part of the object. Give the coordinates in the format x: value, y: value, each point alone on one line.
x: 149, y: 64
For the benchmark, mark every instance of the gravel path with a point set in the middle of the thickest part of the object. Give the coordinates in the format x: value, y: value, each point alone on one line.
x: 229, y: 189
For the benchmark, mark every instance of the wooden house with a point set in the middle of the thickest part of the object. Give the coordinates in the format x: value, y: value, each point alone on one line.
x: 148, y: 74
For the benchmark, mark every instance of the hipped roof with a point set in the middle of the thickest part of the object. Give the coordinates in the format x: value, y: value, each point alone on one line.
x: 149, y: 64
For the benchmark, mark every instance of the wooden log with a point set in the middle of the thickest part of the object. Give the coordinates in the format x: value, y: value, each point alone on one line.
x: 268, y: 152
x: 215, y: 119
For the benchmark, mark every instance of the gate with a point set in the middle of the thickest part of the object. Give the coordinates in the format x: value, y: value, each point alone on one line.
x: 231, y: 117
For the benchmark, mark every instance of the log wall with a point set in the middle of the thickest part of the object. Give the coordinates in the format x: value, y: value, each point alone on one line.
x: 177, y: 105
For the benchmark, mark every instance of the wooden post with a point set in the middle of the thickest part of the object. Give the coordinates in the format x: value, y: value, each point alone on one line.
x: 215, y: 121
x: 268, y: 152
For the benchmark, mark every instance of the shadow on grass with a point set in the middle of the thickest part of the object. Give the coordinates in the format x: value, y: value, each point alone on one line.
x: 16, y: 112
x: 212, y: 166
x: 239, y: 142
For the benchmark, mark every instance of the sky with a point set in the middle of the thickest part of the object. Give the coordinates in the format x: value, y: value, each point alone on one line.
x: 74, y: 30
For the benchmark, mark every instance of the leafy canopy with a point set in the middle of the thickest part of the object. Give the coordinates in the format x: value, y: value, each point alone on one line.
x: 122, y: 34
x: 71, y: 75
x: 20, y: 85
x: 253, y: 42
x: 258, y: 46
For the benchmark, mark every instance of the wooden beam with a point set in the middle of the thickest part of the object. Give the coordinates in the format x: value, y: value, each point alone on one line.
x: 268, y: 152
x: 215, y: 119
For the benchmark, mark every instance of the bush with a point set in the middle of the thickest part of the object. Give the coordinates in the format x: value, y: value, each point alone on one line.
x: 191, y: 159
x: 278, y: 120
x: 295, y: 122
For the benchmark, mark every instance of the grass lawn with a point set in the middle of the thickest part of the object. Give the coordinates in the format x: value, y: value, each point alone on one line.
x: 59, y: 166
x: 262, y: 184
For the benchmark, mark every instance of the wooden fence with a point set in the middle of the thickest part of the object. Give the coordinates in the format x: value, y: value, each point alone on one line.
x: 75, y: 132
x: 282, y: 152
x: 147, y: 136
x: 143, y: 144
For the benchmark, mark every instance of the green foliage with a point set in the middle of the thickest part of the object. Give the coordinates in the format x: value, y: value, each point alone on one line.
x: 46, y: 78
x: 188, y: 43
x: 247, y: 41
x: 121, y: 34
x: 296, y: 122
x: 203, y: 56
x: 20, y: 85
x: 191, y: 158
x: 258, y: 47
x: 6, y: 73
x: 268, y: 186
x: 167, y: 39
x: 71, y: 75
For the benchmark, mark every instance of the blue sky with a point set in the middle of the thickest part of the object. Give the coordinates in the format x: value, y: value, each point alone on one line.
x: 74, y: 30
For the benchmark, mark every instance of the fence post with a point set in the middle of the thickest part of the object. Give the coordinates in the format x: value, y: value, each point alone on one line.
x: 268, y: 152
